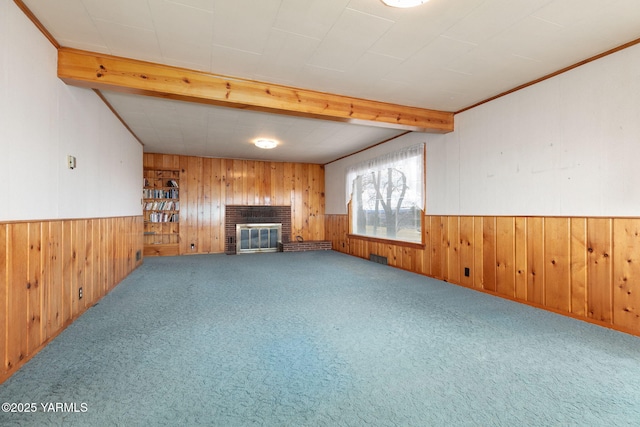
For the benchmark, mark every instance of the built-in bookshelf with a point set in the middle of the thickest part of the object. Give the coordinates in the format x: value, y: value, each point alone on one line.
x: 161, y: 208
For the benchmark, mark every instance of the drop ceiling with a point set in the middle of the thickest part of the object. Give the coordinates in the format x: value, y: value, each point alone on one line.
x: 444, y: 55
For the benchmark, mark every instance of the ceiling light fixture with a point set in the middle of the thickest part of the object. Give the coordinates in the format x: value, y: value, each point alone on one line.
x: 267, y: 144
x: 404, y: 3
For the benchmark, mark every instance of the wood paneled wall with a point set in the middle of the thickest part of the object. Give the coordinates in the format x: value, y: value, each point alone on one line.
x: 42, y: 266
x: 588, y: 268
x: 208, y: 185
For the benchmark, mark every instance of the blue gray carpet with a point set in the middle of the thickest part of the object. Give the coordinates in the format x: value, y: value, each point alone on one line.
x: 321, y: 339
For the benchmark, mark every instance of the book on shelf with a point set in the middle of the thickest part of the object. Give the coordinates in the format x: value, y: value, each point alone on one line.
x: 167, y: 205
x: 161, y: 204
x: 163, y: 217
x: 151, y: 193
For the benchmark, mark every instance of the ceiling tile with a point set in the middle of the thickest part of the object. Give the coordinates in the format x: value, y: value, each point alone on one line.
x: 170, y: 18
x: 401, y: 42
x: 101, y: 48
x: 426, y: 63
x: 170, y: 126
x: 235, y: 28
x: 352, y: 35
x: 132, y: 13
x: 184, y: 46
x: 186, y: 55
x: 569, y: 12
x: 312, y: 18
x: 445, y: 54
x: 234, y: 62
x: 363, y: 79
x: 130, y: 42
x: 625, y: 14
x: 491, y: 18
x: 321, y: 79
x: 285, y: 55
x: 532, y: 37
x: 413, y: 28
x: 206, y: 5
x: 56, y: 16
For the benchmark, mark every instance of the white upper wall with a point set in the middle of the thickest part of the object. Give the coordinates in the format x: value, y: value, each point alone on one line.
x: 567, y: 146
x: 335, y: 173
x: 42, y: 120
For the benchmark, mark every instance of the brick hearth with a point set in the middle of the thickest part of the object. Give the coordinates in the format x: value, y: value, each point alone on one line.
x: 311, y: 245
x: 255, y: 215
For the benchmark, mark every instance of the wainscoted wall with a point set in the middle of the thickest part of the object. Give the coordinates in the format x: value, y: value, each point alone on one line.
x: 42, y: 266
x: 588, y: 268
x: 209, y: 185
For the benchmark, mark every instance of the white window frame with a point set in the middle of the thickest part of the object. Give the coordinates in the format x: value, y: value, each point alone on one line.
x: 406, y: 167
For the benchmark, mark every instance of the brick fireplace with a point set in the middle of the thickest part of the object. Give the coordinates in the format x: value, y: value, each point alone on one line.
x: 236, y: 214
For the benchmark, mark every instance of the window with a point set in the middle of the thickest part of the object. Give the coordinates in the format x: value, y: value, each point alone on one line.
x: 386, y: 195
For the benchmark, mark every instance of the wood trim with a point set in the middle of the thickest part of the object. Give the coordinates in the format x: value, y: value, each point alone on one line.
x: 368, y: 148
x: 555, y: 73
x: 147, y: 168
x: 209, y: 185
x: 108, y: 104
x: 98, y: 71
x: 170, y: 249
x: 622, y: 329
x: 37, y: 23
x: 399, y: 243
x: 42, y: 266
x: 582, y: 267
x: 20, y: 221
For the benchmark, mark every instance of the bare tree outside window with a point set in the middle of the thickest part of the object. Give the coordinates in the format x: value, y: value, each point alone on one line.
x: 387, y: 200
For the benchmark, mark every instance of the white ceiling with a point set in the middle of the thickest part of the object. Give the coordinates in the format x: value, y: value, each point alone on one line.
x: 444, y: 55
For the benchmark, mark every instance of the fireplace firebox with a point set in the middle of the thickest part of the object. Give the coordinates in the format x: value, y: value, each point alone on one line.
x: 251, y: 238
x: 255, y: 215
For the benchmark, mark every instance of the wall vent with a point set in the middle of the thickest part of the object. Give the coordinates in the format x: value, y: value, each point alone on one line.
x: 378, y: 259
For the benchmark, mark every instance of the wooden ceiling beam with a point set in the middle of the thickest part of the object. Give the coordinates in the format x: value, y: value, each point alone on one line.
x: 104, y: 72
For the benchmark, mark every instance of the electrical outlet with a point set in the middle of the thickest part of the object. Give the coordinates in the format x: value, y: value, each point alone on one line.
x: 80, y: 293
x: 71, y: 162
x: 193, y: 246
x: 466, y: 272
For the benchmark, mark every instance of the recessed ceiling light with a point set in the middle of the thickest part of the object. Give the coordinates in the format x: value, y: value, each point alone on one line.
x: 265, y: 143
x: 404, y: 3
